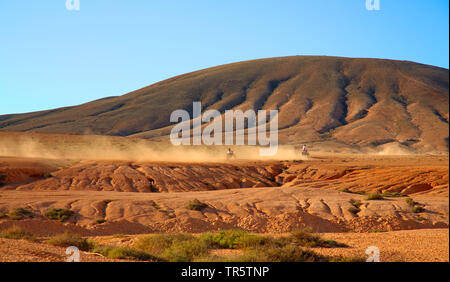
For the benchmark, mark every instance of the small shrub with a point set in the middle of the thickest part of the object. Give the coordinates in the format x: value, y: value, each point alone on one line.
x: 287, y: 253
x: 374, y: 196
x: 173, y: 247
x: 196, y: 205
x: 123, y: 253
x: 186, y: 251
x: 20, y: 213
x: 305, y: 238
x: 410, y: 202
x: 388, y: 194
x: 158, y: 243
x: 418, y: 209
x: 59, y: 214
x: 16, y: 232
x: 356, y: 203
x: 107, y: 201
x: 68, y: 239
x: 354, y: 210
x: 225, y: 239
x: 346, y: 190
x: 100, y: 221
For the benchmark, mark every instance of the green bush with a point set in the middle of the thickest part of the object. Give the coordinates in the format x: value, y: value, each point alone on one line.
x: 392, y: 194
x: 123, y: 253
x: 410, y: 202
x: 156, y: 244
x: 225, y: 239
x: 374, y: 196
x: 287, y: 253
x: 196, y: 205
x: 187, y: 248
x: 418, y: 209
x: 68, y: 239
x: 346, y: 190
x: 354, y: 210
x: 304, y: 237
x: 100, y: 221
x: 186, y: 251
x: 16, y: 232
x: 20, y: 213
x: 356, y: 203
x: 59, y: 214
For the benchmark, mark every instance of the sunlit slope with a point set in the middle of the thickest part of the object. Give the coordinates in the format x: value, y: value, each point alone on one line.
x: 356, y: 102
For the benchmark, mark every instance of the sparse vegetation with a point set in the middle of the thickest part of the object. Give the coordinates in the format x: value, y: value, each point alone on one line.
x: 287, y: 253
x: 182, y: 247
x: 16, y: 232
x: 59, y: 214
x: 225, y: 239
x: 410, y: 202
x: 196, y: 205
x: 420, y: 218
x: 20, y: 213
x: 374, y: 196
x: 305, y: 238
x: 68, y: 239
x: 392, y: 194
x: 354, y: 210
x: 355, y: 203
x: 418, y: 209
x: 172, y: 247
x: 355, y: 206
x: 415, y: 206
x: 99, y: 221
x: 346, y: 190
x: 114, y: 252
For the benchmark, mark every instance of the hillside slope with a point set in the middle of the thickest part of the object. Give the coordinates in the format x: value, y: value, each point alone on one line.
x: 356, y: 102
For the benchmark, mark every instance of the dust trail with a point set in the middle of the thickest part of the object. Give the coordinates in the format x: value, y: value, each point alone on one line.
x: 93, y: 147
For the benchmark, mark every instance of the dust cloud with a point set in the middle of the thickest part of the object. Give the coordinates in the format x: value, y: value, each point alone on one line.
x: 92, y: 147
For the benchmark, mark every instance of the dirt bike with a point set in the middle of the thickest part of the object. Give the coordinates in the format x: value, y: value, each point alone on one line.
x: 230, y: 155
x: 305, y: 153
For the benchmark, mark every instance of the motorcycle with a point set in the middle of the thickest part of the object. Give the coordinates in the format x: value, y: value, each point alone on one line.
x: 230, y: 155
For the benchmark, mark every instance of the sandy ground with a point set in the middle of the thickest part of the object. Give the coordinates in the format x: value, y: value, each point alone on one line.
x: 430, y: 245
x: 26, y: 251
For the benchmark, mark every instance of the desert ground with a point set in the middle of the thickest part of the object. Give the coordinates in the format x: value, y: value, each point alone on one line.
x: 330, y: 194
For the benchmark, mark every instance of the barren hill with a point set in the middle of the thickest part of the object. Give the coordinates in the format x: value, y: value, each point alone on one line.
x: 353, y: 102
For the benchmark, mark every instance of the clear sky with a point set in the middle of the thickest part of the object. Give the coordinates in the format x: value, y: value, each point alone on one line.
x: 52, y: 57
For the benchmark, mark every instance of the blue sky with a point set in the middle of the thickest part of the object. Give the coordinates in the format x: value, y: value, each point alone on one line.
x: 51, y: 57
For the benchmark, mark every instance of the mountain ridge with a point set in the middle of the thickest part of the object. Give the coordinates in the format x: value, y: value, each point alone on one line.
x: 356, y: 101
